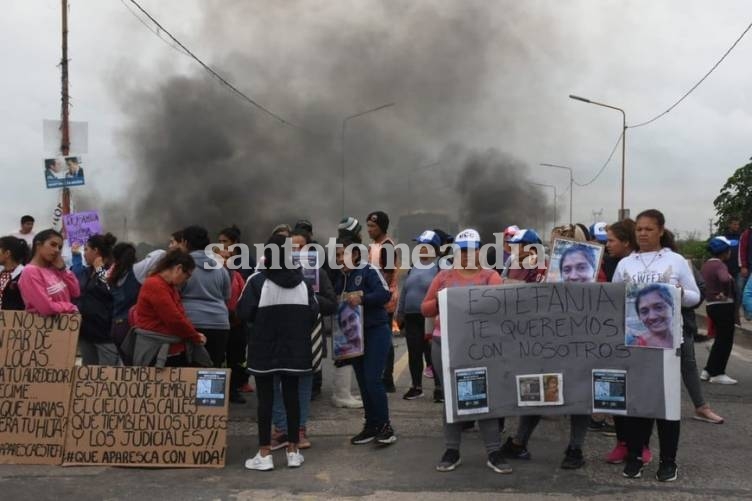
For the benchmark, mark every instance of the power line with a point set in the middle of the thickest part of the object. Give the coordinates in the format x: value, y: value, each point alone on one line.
x: 613, y: 150
x: 213, y: 72
x: 697, y: 84
x: 154, y: 31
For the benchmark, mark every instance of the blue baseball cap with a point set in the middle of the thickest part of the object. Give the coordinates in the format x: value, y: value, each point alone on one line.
x: 429, y: 237
x: 719, y: 245
x: 525, y: 237
x: 468, y: 239
x: 598, y: 232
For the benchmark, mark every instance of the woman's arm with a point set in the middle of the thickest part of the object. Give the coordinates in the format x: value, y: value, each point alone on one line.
x: 430, y: 306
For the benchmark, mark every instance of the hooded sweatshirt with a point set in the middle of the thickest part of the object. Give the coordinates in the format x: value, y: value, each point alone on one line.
x: 206, y: 294
x: 282, y: 308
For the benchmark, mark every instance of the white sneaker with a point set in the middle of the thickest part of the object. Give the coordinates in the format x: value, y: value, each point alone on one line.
x: 294, y: 459
x: 260, y: 463
x: 723, y: 379
x: 704, y: 376
x: 347, y: 403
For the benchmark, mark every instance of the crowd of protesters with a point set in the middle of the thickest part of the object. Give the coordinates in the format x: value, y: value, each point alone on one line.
x: 175, y: 308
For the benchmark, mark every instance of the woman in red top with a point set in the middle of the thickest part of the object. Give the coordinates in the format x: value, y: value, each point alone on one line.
x: 159, y: 308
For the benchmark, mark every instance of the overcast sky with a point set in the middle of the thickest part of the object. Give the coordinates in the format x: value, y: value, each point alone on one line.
x: 638, y: 55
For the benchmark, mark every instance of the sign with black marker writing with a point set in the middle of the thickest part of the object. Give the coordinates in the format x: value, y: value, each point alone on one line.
x: 524, y: 333
x: 36, y: 370
x: 148, y: 417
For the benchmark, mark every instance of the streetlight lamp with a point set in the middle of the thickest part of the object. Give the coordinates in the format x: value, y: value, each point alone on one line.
x: 623, y: 214
x: 571, y: 183
x: 555, y: 198
x: 342, y: 156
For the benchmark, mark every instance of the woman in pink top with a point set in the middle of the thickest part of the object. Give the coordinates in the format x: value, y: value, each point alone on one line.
x: 46, y: 286
x: 467, y: 271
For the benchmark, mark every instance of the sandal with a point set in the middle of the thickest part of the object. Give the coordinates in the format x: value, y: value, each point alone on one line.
x: 706, y: 415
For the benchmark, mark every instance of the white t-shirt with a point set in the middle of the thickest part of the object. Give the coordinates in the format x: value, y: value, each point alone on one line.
x: 29, y: 237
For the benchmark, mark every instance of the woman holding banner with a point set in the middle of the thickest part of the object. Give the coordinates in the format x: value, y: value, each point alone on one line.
x: 654, y: 261
x: 47, y: 287
x: 467, y: 271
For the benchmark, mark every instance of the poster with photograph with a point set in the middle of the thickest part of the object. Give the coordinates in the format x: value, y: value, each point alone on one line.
x: 472, y: 390
x: 309, y: 263
x: 652, y: 314
x: 540, y: 390
x: 62, y: 172
x: 210, y: 388
x: 347, y: 332
x: 572, y: 261
x: 610, y: 391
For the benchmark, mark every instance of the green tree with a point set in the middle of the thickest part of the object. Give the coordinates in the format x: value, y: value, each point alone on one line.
x: 735, y: 198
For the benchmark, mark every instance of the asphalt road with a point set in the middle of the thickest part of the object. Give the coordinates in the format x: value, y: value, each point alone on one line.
x: 713, y: 460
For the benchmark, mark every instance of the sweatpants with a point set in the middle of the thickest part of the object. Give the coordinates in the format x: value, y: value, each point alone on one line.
x: 638, y: 431
x: 369, y: 371
x: 415, y: 338
x: 578, y: 425
x: 265, y: 396
x: 489, y: 428
x: 388, y: 372
x: 722, y: 315
x: 98, y: 353
x: 689, y: 371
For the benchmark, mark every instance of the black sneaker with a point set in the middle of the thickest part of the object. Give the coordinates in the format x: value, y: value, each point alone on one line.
x: 413, y: 393
x: 389, y: 387
x: 438, y: 396
x: 633, y: 468
x: 367, y: 435
x: 667, y: 471
x: 497, y: 463
x: 609, y: 430
x: 597, y: 425
x: 572, y: 459
x: 449, y: 461
x: 386, y: 435
x: 514, y: 451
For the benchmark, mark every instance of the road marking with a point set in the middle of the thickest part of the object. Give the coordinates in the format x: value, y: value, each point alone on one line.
x: 400, y: 366
x: 742, y: 354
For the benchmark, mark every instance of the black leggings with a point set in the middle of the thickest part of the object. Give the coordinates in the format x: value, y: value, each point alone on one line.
x: 416, y: 345
x: 722, y: 316
x: 638, y: 433
x: 216, y: 344
x: 265, y: 396
x: 236, y: 351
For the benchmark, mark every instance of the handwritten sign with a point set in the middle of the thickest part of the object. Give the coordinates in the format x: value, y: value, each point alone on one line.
x: 148, y: 417
x: 36, y: 367
x: 568, y: 329
x: 80, y: 226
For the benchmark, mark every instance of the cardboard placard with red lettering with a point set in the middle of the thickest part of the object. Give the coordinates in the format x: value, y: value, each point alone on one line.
x: 36, y: 371
x: 148, y: 417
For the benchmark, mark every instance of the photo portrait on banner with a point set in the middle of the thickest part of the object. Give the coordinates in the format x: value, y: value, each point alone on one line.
x: 653, y: 316
x: 347, y: 332
x: 574, y: 261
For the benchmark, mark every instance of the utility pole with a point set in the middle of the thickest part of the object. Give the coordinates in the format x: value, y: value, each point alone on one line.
x: 710, y: 228
x: 64, y: 113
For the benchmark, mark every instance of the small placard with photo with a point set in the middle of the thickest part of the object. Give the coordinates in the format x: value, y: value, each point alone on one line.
x: 472, y: 390
x: 609, y: 391
x: 540, y: 390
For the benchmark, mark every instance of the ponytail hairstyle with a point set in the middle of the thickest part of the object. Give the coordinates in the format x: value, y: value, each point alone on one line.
x: 41, y: 237
x: 667, y: 239
x: 174, y: 257
x: 18, y: 248
x: 102, y: 244
x: 124, y: 257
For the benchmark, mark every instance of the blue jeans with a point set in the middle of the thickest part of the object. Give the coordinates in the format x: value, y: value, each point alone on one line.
x: 279, y: 417
x: 369, y: 371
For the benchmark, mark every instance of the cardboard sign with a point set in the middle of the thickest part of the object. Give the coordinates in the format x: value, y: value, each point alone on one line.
x: 80, y: 226
x: 148, y: 417
x: 36, y: 371
x: 534, y: 338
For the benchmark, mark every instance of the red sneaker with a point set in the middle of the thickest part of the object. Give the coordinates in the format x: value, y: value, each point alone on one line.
x: 647, y: 456
x: 618, y: 454
x: 247, y: 388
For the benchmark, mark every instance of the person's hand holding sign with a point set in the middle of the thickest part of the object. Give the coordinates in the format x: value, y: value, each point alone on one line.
x: 354, y: 300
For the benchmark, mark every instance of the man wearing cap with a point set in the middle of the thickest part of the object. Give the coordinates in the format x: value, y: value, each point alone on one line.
x: 382, y: 254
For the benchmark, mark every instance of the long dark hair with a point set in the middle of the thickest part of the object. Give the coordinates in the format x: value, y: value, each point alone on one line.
x: 624, y: 231
x: 41, y: 237
x: 172, y: 258
x: 667, y: 239
x: 124, y: 257
x: 18, y: 248
x: 102, y: 244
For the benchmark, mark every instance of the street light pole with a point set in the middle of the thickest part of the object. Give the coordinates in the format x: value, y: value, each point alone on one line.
x: 555, y: 196
x: 623, y: 214
x: 571, y: 183
x: 342, y: 153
